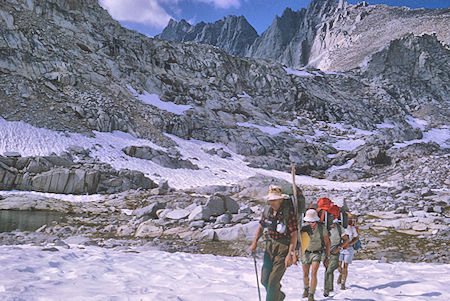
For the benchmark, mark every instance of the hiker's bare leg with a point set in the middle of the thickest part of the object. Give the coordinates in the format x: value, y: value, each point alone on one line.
x: 315, y: 267
x: 306, y: 274
x: 344, y: 272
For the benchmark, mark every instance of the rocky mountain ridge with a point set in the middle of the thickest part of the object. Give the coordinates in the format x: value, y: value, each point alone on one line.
x: 232, y: 34
x: 45, y: 74
x: 70, y: 74
x: 328, y: 34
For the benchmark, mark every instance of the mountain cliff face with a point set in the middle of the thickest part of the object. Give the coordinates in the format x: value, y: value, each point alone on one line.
x: 232, y: 34
x: 329, y: 35
x: 67, y: 66
x: 289, y: 38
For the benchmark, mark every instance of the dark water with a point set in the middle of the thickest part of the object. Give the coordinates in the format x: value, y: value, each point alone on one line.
x: 29, y: 220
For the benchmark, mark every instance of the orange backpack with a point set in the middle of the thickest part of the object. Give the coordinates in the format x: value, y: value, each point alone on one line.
x: 327, y: 211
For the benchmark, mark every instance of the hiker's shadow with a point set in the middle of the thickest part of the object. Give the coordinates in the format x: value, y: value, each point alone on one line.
x: 393, y: 284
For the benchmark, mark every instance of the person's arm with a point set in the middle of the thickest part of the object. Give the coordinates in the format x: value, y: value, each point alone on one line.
x: 258, y: 234
x: 291, y: 257
x: 327, y: 242
x: 355, y: 237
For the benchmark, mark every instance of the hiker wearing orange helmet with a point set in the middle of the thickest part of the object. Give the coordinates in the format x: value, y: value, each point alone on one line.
x: 319, y: 242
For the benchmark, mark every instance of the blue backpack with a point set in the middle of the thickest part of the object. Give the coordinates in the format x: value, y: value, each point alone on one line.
x: 357, y: 245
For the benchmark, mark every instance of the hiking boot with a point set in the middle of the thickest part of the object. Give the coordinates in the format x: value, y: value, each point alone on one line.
x: 305, y: 293
x: 339, y: 279
x: 343, y: 286
x: 326, y: 293
x: 310, y: 297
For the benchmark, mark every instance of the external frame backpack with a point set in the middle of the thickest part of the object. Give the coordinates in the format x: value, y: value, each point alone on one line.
x: 326, y: 210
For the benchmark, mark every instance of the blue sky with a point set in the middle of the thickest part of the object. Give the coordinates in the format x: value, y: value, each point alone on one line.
x: 151, y: 16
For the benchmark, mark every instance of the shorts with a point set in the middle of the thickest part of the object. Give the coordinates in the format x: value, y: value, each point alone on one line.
x: 347, y: 255
x: 309, y: 257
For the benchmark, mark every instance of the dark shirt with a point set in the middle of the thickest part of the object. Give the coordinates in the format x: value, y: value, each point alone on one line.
x: 274, y: 219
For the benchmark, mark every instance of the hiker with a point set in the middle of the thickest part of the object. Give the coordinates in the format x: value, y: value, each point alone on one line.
x: 347, y: 250
x: 280, y: 226
x: 337, y: 239
x: 319, y: 240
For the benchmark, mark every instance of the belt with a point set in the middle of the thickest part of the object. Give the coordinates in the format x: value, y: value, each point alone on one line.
x: 281, y: 241
x: 315, y: 252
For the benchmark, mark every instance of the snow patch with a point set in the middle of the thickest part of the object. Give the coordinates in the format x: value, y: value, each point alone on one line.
x: 271, y: 130
x: 348, y: 144
x: 416, y: 122
x: 62, y: 197
x: 244, y: 95
x: 107, y: 147
x: 439, y: 135
x: 348, y: 164
x: 385, y: 126
x: 301, y: 73
x: 154, y: 100
x: 93, y: 273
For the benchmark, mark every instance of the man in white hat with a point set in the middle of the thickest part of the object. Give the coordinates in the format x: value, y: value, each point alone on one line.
x: 319, y: 242
x: 281, y: 239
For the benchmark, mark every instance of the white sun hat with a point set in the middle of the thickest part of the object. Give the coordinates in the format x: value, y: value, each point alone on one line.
x: 311, y: 216
x: 275, y: 193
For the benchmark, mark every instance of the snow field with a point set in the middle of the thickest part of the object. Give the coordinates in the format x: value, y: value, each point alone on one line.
x: 93, y: 273
x: 107, y: 147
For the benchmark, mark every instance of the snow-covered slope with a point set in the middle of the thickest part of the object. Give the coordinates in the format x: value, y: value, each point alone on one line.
x: 107, y: 148
x: 92, y: 273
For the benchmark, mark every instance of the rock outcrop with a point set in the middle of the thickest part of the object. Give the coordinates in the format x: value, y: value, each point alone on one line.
x: 62, y: 175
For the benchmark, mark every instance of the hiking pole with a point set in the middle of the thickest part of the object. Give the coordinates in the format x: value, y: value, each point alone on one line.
x: 256, y: 271
x: 294, y: 191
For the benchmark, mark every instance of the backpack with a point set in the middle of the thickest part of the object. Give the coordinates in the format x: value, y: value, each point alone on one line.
x: 309, y: 230
x: 326, y: 210
x: 357, y: 245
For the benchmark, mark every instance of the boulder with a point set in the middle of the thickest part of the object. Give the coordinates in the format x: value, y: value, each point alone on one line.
x: 148, y: 229
x: 223, y: 219
x: 347, y: 174
x: 208, y: 234
x: 197, y: 224
x: 125, y: 230
x: 7, y: 177
x: 230, y: 205
x: 215, y: 205
x: 149, y: 210
x: 200, y: 213
x: 159, y: 157
x: 178, y: 214
x: 238, y: 232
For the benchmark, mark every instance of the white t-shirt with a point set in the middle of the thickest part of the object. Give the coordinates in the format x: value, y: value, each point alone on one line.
x: 351, y: 232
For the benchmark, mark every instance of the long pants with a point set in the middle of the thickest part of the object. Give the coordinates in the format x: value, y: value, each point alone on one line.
x: 273, y: 270
x: 329, y: 272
